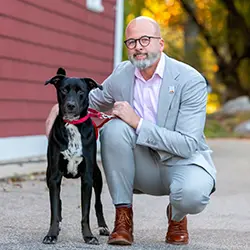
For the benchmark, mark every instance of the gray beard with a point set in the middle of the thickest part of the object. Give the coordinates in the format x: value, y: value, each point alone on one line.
x: 146, y: 63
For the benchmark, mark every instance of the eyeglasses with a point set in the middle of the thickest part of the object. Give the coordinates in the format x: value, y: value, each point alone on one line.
x: 144, y: 41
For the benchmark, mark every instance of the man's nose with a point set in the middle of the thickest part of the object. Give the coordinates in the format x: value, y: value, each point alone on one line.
x: 138, y: 45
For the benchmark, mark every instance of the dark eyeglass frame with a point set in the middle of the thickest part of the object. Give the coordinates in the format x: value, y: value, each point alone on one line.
x: 139, y: 39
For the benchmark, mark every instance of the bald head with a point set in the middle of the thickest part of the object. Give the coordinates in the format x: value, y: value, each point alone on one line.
x: 143, y: 24
x: 144, y: 42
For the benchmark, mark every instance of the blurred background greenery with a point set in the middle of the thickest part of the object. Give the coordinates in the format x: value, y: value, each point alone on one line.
x: 214, y: 37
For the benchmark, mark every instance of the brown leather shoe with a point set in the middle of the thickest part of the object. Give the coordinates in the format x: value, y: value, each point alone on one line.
x: 177, y: 231
x: 123, y: 231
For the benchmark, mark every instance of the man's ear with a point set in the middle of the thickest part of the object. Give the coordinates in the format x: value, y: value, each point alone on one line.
x: 91, y: 83
x: 60, y: 75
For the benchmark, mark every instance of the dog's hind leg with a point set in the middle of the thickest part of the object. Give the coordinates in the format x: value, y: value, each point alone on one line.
x: 60, y: 203
x: 98, y: 183
x: 54, y: 182
x: 86, y: 192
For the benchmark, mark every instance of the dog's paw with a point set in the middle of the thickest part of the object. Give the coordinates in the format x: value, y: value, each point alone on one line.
x: 50, y: 239
x: 104, y: 231
x: 91, y: 240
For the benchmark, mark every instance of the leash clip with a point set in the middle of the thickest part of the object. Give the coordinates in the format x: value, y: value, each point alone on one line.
x: 105, y: 116
x: 100, y: 115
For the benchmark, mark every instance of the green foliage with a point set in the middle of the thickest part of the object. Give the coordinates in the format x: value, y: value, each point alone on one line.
x: 221, y: 125
x: 214, y: 129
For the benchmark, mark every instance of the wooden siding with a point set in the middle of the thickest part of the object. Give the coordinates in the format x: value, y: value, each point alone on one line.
x: 37, y: 37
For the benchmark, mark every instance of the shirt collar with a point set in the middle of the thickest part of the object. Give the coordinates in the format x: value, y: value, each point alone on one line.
x: 158, y: 71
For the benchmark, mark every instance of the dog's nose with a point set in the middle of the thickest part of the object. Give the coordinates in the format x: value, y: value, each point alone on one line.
x: 71, y: 105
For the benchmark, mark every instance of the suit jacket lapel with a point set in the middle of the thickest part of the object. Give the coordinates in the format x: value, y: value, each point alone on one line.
x: 128, y: 85
x: 167, y: 91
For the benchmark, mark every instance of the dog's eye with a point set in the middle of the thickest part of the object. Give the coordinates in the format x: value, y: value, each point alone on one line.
x: 64, y: 91
x: 80, y: 92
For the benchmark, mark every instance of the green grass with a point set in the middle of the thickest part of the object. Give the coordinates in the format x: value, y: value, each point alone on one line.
x: 221, y: 125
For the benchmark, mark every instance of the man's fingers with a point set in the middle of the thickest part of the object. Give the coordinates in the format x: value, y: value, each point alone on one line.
x: 117, y: 104
x: 115, y: 112
x: 121, y: 104
x: 51, y: 119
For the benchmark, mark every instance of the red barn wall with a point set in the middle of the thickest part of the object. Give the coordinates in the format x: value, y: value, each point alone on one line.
x: 37, y: 37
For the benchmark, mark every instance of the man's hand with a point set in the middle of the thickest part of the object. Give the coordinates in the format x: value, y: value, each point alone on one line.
x: 51, y: 119
x: 125, y: 112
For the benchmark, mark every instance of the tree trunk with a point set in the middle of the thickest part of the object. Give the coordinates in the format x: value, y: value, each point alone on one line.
x: 191, y: 44
x: 232, y: 83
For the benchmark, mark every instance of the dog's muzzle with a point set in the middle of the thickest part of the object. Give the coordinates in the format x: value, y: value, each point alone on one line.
x: 71, y: 111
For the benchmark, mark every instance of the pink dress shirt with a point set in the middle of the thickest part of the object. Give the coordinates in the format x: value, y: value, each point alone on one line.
x: 146, y: 93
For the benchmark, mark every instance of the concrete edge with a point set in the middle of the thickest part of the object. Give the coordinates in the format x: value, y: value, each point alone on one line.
x: 22, y: 169
x: 25, y: 166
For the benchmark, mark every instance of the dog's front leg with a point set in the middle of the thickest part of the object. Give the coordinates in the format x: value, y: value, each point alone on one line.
x: 86, y: 192
x: 53, y: 183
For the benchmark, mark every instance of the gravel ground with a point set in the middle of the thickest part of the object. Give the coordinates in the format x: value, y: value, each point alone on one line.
x: 225, y: 223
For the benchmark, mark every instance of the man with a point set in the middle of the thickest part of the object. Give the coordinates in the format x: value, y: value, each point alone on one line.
x: 157, y: 145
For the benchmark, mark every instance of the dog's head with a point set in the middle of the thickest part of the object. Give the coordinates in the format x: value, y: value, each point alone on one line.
x: 72, y: 94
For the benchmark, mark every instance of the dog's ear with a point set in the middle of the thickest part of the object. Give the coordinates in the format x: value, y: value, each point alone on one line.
x: 55, y: 80
x: 61, y: 71
x: 60, y: 75
x: 91, y: 83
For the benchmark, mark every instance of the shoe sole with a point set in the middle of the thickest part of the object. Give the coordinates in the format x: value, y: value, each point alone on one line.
x: 176, y: 243
x: 122, y: 242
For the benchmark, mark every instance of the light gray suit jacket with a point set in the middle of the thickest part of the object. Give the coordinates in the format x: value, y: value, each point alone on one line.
x: 177, y: 138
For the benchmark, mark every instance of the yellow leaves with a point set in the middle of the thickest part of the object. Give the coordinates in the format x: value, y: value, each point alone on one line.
x: 174, y: 10
x: 154, y: 6
x: 200, y: 4
x: 146, y: 12
x: 166, y: 15
x: 174, y: 40
x: 202, y: 9
x: 213, y: 103
x: 212, y: 97
x: 169, y: 2
x: 215, y: 68
x: 162, y: 11
x: 130, y: 17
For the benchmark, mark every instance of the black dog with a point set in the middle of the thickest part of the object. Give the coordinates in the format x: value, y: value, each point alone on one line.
x: 72, y: 154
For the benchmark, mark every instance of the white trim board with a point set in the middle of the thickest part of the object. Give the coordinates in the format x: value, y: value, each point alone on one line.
x: 15, y: 149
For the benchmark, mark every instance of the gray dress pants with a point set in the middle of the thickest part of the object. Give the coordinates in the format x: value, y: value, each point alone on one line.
x: 128, y: 166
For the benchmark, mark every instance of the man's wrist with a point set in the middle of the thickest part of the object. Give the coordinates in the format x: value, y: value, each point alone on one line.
x: 138, y: 128
x: 136, y: 122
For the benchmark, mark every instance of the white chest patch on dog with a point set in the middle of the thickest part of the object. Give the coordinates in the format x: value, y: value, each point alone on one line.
x: 74, y: 152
